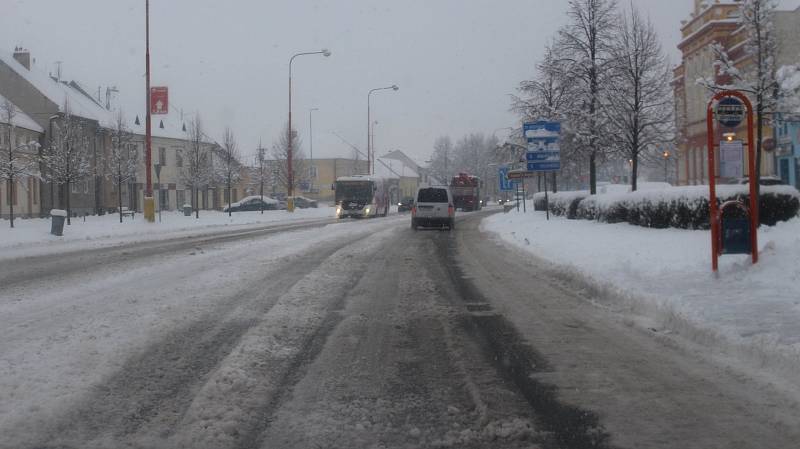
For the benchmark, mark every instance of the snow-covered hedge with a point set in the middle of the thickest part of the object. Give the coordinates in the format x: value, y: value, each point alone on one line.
x: 676, y: 207
x: 561, y: 203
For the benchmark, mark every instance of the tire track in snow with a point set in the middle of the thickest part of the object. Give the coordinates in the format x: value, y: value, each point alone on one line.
x: 151, y: 393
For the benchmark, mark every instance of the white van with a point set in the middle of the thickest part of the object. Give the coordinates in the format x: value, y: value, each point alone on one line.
x: 433, y: 208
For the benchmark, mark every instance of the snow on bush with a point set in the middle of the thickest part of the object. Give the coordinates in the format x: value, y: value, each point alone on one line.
x: 675, y: 207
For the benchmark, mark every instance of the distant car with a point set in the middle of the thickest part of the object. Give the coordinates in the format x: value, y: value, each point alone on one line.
x: 406, y: 204
x: 764, y: 181
x: 304, y: 203
x: 253, y: 203
x: 433, y: 207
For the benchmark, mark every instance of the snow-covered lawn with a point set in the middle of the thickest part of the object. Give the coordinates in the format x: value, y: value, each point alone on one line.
x: 664, y: 276
x: 32, y: 236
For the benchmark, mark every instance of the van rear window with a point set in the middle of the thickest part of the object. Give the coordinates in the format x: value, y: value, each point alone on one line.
x: 432, y: 195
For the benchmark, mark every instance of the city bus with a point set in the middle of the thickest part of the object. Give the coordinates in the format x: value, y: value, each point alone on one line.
x: 361, y: 196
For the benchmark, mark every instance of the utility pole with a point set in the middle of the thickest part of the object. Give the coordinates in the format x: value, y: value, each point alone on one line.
x: 149, y: 204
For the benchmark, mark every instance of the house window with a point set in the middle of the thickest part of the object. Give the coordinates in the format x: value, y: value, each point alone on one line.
x: 162, y: 156
x: 179, y: 157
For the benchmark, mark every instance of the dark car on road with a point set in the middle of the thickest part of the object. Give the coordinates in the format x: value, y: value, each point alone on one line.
x: 406, y: 204
x: 252, y: 203
x: 302, y: 202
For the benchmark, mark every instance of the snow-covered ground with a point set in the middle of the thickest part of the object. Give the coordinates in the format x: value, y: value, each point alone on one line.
x: 63, y: 334
x: 663, y: 277
x: 32, y: 236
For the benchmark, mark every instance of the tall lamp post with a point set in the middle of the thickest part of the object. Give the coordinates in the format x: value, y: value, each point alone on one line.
x: 290, y: 174
x: 313, y: 172
x: 149, y: 203
x: 666, y: 157
x: 370, y: 162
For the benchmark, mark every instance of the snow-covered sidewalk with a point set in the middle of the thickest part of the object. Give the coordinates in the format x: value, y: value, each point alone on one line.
x: 663, y: 277
x: 32, y: 236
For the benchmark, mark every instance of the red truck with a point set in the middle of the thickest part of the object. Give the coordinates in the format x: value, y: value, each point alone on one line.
x: 466, y: 190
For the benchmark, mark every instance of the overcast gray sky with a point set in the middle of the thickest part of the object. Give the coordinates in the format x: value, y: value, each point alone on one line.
x: 456, y: 61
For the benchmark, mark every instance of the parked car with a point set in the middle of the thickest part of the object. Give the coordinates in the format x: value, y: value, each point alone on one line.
x: 764, y: 181
x: 406, y: 204
x: 304, y: 203
x: 433, y: 207
x: 253, y: 203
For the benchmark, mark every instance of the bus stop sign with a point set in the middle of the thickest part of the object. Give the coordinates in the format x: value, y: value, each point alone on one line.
x: 730, y: 112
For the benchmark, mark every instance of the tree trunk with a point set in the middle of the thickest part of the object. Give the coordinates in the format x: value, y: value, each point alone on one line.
x: 11, y: 195
x: 119, y: 200
x: 592, y: 174
x: 197, y: 203
x: 555, y: 185
x: 262, y: 196
x: 634, y: 172
x: 230, y: 199
x: 69, y: 205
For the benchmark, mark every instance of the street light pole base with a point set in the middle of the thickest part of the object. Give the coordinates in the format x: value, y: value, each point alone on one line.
x: 149, y: 209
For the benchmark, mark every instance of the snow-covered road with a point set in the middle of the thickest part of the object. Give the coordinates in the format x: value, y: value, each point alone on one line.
x: 355, y: 334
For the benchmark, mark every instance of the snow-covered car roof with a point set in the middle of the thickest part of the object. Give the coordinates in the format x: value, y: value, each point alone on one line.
x: 266, y: 199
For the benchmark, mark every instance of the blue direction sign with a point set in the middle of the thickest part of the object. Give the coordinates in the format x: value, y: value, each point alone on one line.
x: 506, y: 185
x: 544, y: 152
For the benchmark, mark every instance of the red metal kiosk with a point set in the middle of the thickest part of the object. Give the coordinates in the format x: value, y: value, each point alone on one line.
x: 715, y: 211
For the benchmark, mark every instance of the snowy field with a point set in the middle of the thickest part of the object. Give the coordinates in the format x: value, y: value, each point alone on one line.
x: 32, y: 236
x: 664, y: 278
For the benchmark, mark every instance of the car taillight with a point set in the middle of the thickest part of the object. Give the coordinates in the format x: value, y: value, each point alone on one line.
x: 450, y: 209
x: 414, y: 210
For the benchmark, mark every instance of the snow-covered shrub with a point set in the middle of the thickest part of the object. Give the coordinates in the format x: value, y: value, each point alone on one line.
x: 685, y: 207
x: 561, y: 203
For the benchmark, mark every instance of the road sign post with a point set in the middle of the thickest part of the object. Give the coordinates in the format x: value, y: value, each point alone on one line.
x: 731, y: 109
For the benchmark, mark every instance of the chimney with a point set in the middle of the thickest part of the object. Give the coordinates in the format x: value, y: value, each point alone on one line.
x: 23, y: 56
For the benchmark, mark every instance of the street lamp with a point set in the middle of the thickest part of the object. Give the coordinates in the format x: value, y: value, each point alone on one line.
x: 370, y: 157
x: 290, y: 175
x: 149, y: 204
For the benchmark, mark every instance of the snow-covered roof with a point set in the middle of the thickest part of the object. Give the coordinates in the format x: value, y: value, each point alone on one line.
x: 60, y: 93
x: 394, y: 169
x: 21, y: 119
x: 83, y: 106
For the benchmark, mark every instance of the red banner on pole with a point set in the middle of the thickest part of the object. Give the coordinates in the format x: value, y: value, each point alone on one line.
x: 159, y: 100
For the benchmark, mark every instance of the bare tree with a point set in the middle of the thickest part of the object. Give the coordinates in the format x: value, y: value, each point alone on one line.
x: 550, y: 96
x: 280, y: 153
x: 230, y: 167
x: 758, y: 77
x: 584, y: 51
x: 441, y: 165
x: 17, y: 161
x: 197, y: 170
x: 68, y: 160
x: 123, y: 159
x: 260, y: 174
x: 639, y: 113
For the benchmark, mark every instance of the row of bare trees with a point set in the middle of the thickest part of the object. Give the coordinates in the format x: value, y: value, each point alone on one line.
x: 68, y: 159
x: 606, y: 78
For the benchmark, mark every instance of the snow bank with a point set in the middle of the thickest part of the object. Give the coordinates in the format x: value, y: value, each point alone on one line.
x: 32, y: 236
x: 752, y: 312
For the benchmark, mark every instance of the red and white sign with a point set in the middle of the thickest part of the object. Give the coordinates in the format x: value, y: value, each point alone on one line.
x: 159, y: 100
